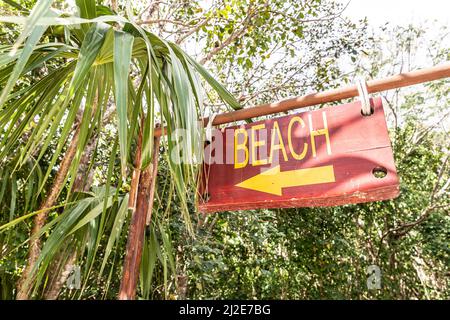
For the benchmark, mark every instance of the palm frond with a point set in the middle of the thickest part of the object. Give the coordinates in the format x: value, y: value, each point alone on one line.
x: 57, y: 90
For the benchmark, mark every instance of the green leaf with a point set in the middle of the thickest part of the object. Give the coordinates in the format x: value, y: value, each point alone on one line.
x: 12, y: 207
x: 123, y: 45
x: 91, y: 215
x: 40, y: 9
x: 87, y: 8
x: 27, y: 50
x: 16, y: 5
x: 116, y: 230
x: 223, y: 93
x: 88, y: 53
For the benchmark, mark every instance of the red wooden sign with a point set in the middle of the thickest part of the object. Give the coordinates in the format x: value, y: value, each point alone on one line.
x: 331, y: 156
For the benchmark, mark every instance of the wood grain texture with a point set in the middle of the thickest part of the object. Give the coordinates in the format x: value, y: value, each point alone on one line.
x: 358, y: 145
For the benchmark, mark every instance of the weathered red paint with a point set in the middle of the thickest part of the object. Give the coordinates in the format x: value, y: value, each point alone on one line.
x: 358, y: 144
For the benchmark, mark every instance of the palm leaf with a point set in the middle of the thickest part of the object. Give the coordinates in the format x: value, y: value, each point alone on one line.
x: 93, y: 68
x: 123, y: 44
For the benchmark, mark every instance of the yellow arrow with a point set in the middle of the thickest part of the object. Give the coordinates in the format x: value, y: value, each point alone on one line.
x: 273, y: 180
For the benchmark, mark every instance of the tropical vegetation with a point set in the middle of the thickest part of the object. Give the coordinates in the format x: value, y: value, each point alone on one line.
x: 83, y: 86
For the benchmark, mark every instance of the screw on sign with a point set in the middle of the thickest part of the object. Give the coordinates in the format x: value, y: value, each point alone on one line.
x: 327, y: 157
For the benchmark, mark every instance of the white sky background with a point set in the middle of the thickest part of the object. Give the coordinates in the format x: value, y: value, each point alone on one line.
x: 398, y: 11
x: 403, y: 12
x: 430, y: 14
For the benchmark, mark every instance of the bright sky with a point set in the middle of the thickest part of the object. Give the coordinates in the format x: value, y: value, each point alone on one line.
x: 398, y: 11
x: 401, y: 12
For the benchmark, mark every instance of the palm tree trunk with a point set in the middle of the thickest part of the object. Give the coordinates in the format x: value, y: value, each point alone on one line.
x: 83, y: 182
x: 144, y: 205
x: 59, y: 278
x: 85, y: 174
x: 23, y: 287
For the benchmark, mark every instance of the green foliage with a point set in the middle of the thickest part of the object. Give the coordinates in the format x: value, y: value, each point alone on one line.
x: 82, y: 72
x: 323, y: 253
x: 115, y: 77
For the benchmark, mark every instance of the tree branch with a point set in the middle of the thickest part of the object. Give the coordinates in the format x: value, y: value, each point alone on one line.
x: 403, y: 229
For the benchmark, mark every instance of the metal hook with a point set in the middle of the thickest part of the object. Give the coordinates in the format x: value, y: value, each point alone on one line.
x: 361, y: 85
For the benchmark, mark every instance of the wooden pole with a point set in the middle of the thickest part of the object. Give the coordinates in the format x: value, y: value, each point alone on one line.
x: 393, y: 82
x: 144, y: 205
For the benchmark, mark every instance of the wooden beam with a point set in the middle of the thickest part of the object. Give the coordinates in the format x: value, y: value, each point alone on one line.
x: 389, y: 83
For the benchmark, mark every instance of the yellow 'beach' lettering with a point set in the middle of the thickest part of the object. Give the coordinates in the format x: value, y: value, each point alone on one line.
x: 277, y: 144
x: 319, y: 132
x: 256, y: 144
x: 240, y: 146
x: 291, y: 147
x: 244, y: 149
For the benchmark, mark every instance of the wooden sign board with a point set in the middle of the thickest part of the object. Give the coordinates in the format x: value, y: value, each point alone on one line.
x: 328, y: 157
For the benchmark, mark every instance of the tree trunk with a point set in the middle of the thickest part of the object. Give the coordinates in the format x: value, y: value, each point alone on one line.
x: 24, y: 284
x: 82, y: 183
x: 144, y: 205
x: 85, y: 174
x: 59, y: 278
